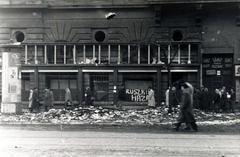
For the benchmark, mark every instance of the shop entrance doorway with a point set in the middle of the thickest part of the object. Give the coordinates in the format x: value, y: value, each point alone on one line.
x: 178, y: 77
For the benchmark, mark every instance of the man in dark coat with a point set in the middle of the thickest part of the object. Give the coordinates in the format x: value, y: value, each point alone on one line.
x: 206, y: 100
x: 201, y: 98
x: 223, y: 99
x: 216, y: 101
x: 186, y: 110
x: 173, y: 99
x: 231, y: 100
x: 88, y: 97
x: 35, y: 101
x: 48, y: 99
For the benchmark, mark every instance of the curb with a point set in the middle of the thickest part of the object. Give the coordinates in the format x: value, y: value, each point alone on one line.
x: 87, y: 127
x: 156, y: 128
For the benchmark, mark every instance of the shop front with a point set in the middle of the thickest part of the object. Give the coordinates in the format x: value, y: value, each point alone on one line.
x: 218, y: 71
x: 115, y: 74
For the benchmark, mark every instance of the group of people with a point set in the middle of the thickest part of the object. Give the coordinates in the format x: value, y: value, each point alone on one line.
x: 220, y: 100
x: 48, y: 99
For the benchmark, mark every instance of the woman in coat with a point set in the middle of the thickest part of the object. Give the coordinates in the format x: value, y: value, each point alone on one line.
x: 151, y: 97
x: 68, y: 98
x: 30, y: 100
x: 186, y: 108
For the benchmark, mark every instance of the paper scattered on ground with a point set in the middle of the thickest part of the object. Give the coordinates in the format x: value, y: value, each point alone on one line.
x: 99, y: 115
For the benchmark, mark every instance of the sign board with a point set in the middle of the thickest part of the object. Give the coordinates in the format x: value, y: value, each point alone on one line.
x: 217, y: 64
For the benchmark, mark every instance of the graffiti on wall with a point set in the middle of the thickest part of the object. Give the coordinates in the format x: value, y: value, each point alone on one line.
x: 136, y: 95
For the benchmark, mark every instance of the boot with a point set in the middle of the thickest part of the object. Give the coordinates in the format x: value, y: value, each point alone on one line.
x: 177, y: 125
x: 188, y: 127
x: 194, y: 126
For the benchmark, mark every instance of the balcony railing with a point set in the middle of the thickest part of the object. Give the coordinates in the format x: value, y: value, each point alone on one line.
x: 65, y: 53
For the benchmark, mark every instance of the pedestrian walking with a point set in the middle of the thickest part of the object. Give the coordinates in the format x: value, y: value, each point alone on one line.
x: 201, y: 98
x: 48, y: 99
x: 186, y: 108
x: 68, y: 98
x: 151, y: 98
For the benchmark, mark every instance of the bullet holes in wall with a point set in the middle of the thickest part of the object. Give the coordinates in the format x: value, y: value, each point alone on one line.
x: 18, y: 36
x: 99, y: 36
x: 177, y: 35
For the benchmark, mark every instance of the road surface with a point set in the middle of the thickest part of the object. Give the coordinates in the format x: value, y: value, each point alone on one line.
x: 16, y: 142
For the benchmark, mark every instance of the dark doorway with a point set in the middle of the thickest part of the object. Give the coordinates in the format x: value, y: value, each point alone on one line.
x: 178, y: 77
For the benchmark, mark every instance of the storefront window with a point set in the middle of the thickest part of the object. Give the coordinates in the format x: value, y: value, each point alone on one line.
x: 25, y: 86
x: 54, y: 84
x: 218, y: 71
x: 59, y: 82
x: 63, y: 84
x: 99, y: 85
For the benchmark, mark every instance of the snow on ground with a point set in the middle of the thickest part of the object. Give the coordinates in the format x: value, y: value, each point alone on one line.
x: 99, y: 115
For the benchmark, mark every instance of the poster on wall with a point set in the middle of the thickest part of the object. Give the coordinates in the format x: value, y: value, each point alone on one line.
x: 11, y: 82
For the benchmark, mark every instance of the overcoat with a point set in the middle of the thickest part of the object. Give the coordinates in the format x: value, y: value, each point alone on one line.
x: 35, y: 102
x: 68, y: 96
x: 30, y: 99
x: 151, y: 98
x: 88, y: 97
x: 48, y: 98
x: 186, y: 109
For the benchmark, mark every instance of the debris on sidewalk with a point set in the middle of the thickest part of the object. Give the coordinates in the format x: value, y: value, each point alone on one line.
x: 98, y: 115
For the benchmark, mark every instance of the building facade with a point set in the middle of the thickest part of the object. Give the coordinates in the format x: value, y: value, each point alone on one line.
x: 61, y: 44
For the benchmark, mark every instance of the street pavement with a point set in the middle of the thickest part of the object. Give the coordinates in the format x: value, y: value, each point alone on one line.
x: 95, y: 142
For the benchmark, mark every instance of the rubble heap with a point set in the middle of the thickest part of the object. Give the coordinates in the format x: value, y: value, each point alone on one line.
x: 99, y: 115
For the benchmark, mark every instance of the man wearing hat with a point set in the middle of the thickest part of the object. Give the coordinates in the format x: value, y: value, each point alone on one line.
x: 186, y: 108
